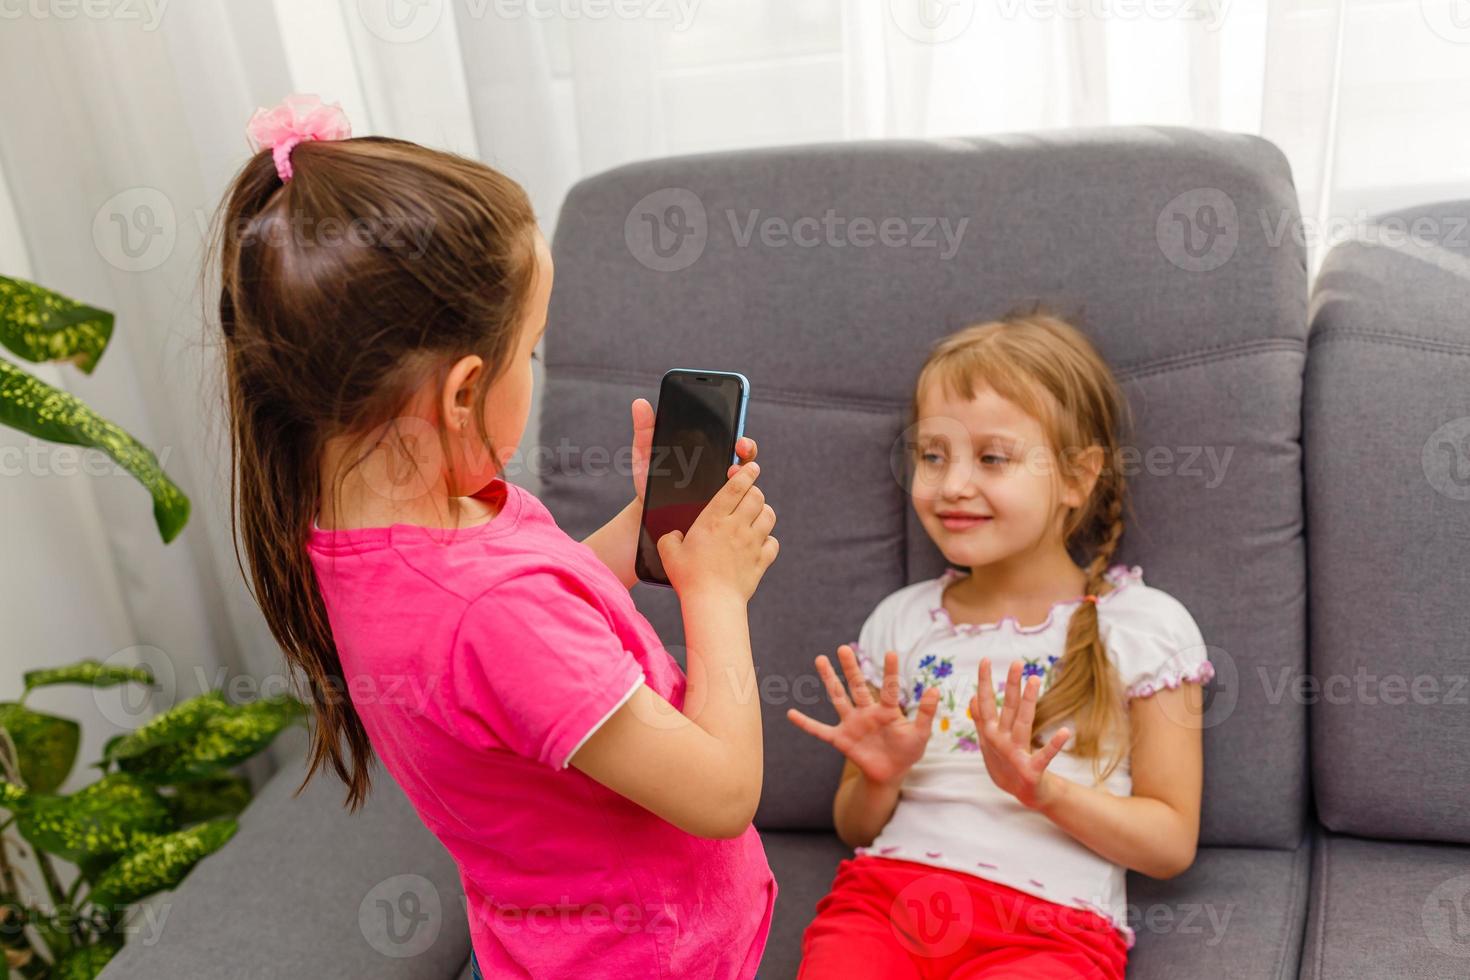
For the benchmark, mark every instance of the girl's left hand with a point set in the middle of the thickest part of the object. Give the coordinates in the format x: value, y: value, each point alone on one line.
x: 1005, y: 742
x: 643, y: 417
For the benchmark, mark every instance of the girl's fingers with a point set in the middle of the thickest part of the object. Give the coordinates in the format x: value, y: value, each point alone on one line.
x: 889, y: 694
x: 1021, y: 731
x: 1049, y: 751
x: 834, y: 687
x: 643, y: 417
x: 855, y: 681
x: 811, y: 726
x: 928, y: 707
x: 985, y: 696
x: 745, y: 449
x: 1013, y: 697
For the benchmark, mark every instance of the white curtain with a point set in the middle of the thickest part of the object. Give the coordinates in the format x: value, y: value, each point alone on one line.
x: 122, y: 121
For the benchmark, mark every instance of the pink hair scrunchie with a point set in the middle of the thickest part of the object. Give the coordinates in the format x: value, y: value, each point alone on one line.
x: 298, y: 118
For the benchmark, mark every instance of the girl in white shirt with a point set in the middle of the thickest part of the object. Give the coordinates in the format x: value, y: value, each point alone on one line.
x: 994, y: 820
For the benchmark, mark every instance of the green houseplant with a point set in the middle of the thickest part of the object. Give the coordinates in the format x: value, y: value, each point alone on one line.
x: 165, y: 797
x: 39, y: 325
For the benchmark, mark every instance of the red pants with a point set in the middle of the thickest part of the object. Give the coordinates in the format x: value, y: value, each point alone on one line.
x: 900, y: 920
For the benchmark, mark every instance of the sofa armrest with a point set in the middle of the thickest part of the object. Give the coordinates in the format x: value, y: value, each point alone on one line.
x: 306, y: 889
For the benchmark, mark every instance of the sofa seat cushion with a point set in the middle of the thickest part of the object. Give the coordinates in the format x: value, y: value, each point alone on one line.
x: 1387, y: 909
x: 304, y: 889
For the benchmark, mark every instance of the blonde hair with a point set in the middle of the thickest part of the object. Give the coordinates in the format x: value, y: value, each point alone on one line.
x: 1047, y: 367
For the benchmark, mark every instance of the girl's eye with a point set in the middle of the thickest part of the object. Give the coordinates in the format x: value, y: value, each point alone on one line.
x: 933, y: 459
x: 994, y: 459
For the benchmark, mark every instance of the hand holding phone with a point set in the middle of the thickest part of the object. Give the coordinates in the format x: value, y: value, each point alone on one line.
x: 729, y: 546
x: 700, y: 418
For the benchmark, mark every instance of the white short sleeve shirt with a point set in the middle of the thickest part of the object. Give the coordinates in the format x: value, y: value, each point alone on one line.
x: 949, y: 813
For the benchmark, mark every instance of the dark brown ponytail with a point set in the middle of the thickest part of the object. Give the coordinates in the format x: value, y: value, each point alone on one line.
x: 342, y: 291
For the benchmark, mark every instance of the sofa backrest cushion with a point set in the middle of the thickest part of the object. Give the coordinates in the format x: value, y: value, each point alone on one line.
x: 1387, y: 438
x: 824, y: 273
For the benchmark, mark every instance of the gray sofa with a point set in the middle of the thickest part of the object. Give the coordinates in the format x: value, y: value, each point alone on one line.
x: 1286, y: 491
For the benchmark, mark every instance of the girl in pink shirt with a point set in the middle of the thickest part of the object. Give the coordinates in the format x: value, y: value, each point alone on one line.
x: 380, y: 304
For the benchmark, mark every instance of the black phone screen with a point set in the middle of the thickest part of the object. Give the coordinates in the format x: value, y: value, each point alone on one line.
x: 694, y: 435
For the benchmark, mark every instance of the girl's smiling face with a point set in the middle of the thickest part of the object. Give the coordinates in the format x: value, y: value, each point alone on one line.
x: 985, y: 485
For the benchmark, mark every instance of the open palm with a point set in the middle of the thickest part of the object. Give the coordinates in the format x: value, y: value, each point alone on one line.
x: 875, y: 735
x: 1005, y: 741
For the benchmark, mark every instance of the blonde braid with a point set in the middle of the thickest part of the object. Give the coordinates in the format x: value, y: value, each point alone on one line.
x: 1085, y: 676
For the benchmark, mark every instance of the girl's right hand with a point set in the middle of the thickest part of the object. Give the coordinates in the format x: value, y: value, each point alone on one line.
x: 876, y: 736
x: 729, y: 546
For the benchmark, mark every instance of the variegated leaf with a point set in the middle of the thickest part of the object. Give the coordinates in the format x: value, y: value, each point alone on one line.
x: 91, y: 672
x: 159, y: 863
x: 47, y: 745
x: 36, y: 408
x: 108, y: 817
x: 40, y: 325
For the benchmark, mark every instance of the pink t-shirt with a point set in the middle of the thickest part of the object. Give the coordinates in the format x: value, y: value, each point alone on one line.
x: 480, y: 660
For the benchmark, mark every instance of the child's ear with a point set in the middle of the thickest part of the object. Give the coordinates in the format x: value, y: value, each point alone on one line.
x: 1084, y: 469
x: 459, y: 389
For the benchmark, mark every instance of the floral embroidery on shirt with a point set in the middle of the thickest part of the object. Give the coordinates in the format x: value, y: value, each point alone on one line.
x: 965, y: 732
x: 932, y: 672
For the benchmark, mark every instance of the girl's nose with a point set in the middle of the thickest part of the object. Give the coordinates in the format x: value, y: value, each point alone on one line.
x: 958, y: 481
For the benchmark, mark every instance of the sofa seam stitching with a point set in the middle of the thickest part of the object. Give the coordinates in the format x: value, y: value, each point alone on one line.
x: 1164, y: 365
x: 1321, y: 910
x: 1389, y: 340
x: 1302, y: 855
x: 1187, y: 361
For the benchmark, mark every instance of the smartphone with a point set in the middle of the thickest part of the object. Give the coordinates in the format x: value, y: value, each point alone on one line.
x: 700, y: 416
